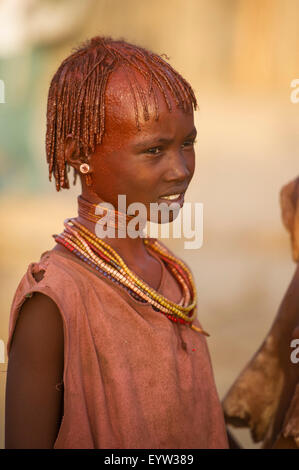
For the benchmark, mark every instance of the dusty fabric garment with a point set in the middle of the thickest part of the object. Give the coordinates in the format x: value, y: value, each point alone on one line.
x: 132, y: 378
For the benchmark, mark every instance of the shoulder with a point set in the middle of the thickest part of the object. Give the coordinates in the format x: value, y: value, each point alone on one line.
x: 51, y: 269
x: 53, y: 275
x: 44, y: 300
x: 59, y: 272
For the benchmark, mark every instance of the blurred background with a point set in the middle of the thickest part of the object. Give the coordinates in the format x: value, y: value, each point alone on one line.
x: 240, y: 57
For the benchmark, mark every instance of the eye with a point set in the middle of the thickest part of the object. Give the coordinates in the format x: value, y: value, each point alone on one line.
x: 189, y: 143
x: 154, y: 150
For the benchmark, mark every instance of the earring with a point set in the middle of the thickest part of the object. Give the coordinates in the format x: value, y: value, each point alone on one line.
x: 84, y: 168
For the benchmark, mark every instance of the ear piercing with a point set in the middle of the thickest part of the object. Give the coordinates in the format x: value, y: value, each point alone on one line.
x: 84, y: 168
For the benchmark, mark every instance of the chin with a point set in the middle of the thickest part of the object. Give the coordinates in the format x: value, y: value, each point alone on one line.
x: 166, y: 218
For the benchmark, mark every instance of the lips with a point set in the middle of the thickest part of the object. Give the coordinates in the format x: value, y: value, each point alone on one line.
x: 173, y: 198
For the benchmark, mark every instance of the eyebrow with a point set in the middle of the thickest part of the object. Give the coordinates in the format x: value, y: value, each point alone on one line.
x: 162, y: 140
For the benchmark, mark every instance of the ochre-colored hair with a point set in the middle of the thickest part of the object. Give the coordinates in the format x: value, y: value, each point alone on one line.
x: 76, y: 104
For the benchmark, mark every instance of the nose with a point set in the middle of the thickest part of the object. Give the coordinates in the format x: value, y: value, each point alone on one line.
x: 179, y: 169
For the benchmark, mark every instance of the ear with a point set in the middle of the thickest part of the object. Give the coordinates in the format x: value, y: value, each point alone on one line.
x: 72, y: 153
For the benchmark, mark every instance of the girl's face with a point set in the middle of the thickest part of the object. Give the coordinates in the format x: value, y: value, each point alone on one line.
x: 148, y: 164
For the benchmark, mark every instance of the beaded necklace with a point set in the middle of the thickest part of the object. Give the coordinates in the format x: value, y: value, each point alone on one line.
x: 104, y: 259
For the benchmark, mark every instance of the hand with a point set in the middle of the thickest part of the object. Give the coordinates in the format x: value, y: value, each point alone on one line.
x: 289, y: 203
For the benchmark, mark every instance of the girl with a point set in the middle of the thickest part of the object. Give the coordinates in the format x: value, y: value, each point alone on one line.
x: 105, y: 350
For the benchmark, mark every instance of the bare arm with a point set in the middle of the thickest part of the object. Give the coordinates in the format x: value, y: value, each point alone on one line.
x: 34, y: 406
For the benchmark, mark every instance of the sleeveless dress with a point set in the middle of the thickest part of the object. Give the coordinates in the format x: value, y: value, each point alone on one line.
x: 132, y: 378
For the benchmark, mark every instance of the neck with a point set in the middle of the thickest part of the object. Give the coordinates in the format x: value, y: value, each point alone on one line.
x: 128, y: 248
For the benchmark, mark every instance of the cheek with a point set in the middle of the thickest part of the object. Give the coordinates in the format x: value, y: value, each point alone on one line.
x: 191, y: 163
x: 115, y: 174
x: 107, y: 166
x: 105, y: 180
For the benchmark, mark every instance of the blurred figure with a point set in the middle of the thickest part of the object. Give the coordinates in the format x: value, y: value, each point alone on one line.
x: 265, y: 397
x: 289, y: 199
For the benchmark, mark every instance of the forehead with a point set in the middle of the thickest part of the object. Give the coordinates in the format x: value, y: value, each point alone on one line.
x: 129, y: 116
